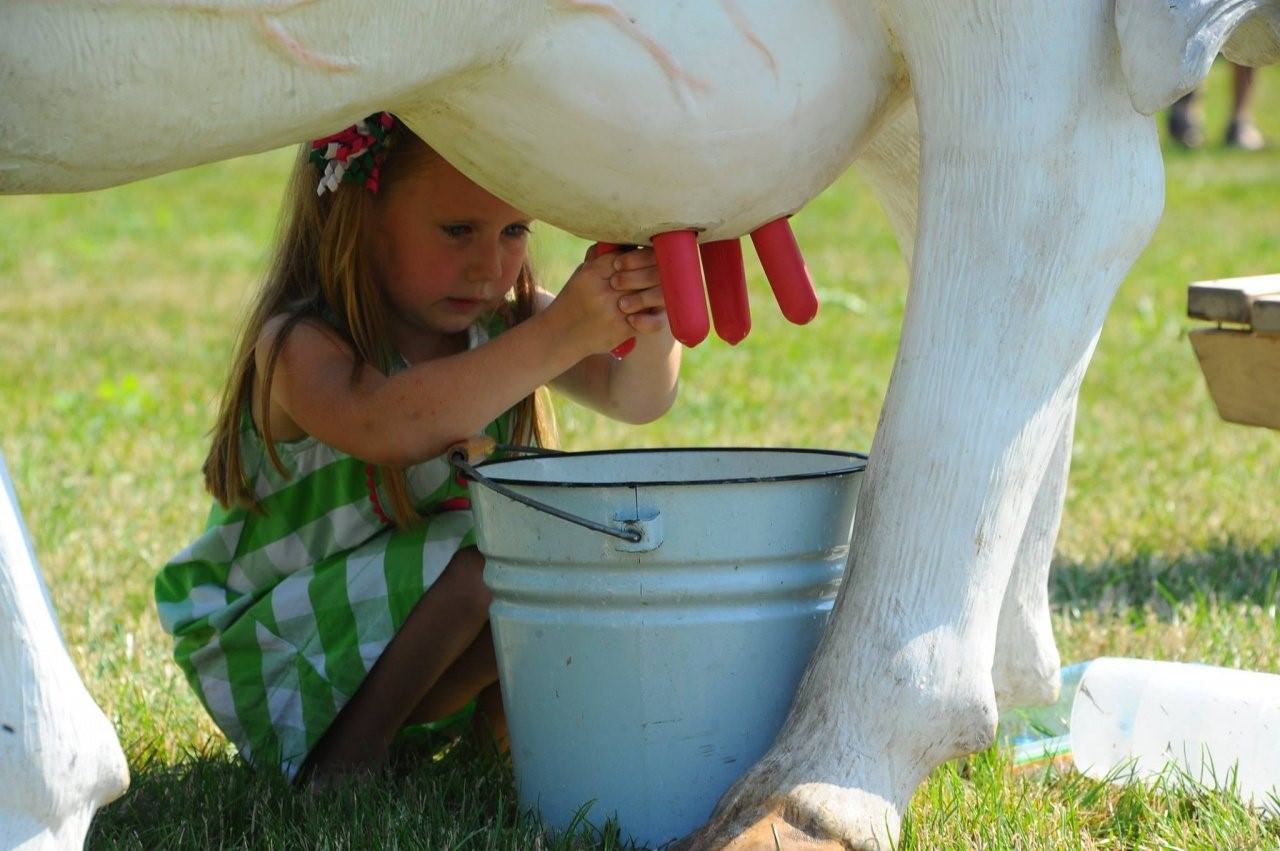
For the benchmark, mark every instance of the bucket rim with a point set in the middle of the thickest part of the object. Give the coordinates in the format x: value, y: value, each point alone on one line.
x: 858, y: 464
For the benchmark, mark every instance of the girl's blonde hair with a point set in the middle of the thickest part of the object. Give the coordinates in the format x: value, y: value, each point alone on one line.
x: 321, y: 270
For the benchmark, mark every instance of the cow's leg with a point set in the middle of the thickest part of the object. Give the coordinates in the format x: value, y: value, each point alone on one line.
x: 60, y: 759
x: 1027, y: 661
x: 1040, y: 185
x: 1026, y: 669
x: 891, y: 165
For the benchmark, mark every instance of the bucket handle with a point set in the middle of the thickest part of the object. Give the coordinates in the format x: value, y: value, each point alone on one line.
x: 460, y: 455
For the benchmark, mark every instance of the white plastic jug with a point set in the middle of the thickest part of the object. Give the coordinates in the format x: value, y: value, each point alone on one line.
x: 1134, y: 718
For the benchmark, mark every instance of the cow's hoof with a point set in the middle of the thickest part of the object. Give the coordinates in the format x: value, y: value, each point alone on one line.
x: 812, y: 817
x: 769, y: 832
x: 1027, y: 669
x: 1032, y: 685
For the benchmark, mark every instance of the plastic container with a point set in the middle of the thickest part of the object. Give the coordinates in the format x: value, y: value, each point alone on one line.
x: 643, y: 677
x: 1042, y: 733
x: 1135, y: 719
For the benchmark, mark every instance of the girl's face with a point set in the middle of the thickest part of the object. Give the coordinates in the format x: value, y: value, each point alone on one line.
x: 446, y: 251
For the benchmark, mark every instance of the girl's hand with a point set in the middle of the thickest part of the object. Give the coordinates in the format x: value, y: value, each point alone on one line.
x: 642, y: 386
x: 635, y: 277
x: 609, y: 299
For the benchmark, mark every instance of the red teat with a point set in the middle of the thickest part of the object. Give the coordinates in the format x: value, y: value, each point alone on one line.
x: 784, y: 267
x: 727, y: 289
x: 624, y: 348
x: 681, y: 276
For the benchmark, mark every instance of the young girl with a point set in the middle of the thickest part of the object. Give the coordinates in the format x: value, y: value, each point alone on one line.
x: 336, y: 595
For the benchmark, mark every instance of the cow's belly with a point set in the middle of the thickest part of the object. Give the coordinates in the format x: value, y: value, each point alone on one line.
x: 717, y: 116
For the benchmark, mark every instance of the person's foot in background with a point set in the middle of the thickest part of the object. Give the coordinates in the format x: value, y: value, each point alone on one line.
x: 1186, y: 127
x: 1245, y: 135
x: 1242, y: 132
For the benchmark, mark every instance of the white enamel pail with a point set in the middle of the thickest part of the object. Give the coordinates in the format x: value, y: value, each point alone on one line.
x: 642, y: 676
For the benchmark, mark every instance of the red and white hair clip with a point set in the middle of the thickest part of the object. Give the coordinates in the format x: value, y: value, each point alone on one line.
x: 353, y: 155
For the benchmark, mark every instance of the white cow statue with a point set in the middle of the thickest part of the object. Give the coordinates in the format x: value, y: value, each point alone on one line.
x: 1009, y: 140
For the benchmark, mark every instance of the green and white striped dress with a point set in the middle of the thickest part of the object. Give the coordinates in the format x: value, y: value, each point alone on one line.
x: 278, y: 615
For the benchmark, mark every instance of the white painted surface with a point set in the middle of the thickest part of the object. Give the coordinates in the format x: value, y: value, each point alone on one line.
x: 59, y: 756
x: 615, y: 125
x: 678, y: 658
x: 1167, y: 46
x: 1027, y: 664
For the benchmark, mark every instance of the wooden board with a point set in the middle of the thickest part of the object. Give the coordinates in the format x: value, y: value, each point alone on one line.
x: 1230, y: 299
x: 1242, y: 370
x: 1265, y: 314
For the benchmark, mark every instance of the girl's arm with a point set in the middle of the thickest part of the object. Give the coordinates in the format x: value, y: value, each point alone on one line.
x: 642, y: 386
x: 419, y: 412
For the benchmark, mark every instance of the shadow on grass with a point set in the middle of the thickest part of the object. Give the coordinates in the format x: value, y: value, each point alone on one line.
x: 452, y: 797
x: 1222, y: 573
x: 459, y: 798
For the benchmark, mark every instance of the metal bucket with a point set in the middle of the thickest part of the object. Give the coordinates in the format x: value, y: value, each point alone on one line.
x: 648, y: 662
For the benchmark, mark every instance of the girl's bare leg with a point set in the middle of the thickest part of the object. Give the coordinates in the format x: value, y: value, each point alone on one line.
x: 475, y: 670
x: 442, y: 626
x: 490, y: 720
x: 474, y: 675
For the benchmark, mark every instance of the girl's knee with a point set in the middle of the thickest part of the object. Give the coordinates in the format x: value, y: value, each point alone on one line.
x: 473, y: 596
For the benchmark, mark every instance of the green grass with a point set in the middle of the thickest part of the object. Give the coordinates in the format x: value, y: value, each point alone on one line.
x: 117, y: 313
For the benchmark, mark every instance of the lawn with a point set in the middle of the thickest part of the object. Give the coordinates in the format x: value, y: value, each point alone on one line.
x: 117, y: 315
